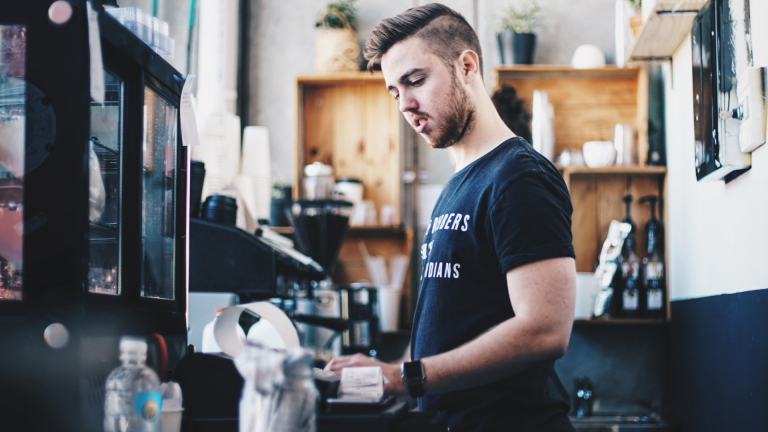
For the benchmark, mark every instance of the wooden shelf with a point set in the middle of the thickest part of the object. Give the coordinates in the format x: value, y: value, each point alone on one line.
x: 365, y: 229
x: 556, y: 71
x: 622, y: 321
x: 664, y: 31
x: 341, y: 77
x: 651, y: 170
x: 281, y: 230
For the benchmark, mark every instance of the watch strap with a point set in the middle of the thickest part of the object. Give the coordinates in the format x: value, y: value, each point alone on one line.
x: 414, y: 378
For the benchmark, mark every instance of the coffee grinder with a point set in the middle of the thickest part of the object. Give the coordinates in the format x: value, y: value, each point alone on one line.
x: 320, y: 227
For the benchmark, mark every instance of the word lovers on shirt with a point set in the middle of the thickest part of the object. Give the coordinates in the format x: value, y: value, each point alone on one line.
x: 448, y: 221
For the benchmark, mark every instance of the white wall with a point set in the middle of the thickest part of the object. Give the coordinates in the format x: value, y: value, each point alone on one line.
x: 717, y: 232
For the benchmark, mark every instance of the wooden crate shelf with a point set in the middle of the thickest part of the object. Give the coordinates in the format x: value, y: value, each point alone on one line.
x: 664, y: 31
x: 382, y: 241
x: 588, y: 103
x: 350, y: 122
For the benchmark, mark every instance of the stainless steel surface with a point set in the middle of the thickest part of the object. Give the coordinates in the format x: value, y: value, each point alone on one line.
x: 620, y: 424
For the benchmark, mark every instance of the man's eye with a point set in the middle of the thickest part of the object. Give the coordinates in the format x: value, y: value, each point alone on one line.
x: 396, y: 96
x: 417, y: 82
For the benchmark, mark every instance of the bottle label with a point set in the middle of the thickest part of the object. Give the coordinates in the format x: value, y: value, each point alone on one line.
x: 655, y: 299
x: 654, y: 270
x: 630, y: 273
x: 148, y: 405
x: 630, y: 300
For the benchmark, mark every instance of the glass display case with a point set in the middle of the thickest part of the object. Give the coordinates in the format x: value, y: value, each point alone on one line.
x: 158, y: 180
x: 104, y: 190
x: 93, y: 210
x: 12, y: 136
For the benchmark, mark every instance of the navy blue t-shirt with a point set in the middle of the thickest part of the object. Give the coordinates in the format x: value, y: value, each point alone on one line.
x: 506, y: 209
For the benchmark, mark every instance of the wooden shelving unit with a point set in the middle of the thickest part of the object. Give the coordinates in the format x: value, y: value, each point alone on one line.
x: 371, y: 229
x: 664, y: 30
x: 382, y: 241
x: 588, y: 103
x: 350, y: 122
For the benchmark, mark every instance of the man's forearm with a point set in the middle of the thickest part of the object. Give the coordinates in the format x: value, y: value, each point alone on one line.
x: 508, y: 349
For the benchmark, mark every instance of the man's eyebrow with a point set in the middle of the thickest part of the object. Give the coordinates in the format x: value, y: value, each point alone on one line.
x: 404, y: 77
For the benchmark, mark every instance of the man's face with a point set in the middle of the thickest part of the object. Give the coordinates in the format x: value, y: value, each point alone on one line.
x: 431, y: 97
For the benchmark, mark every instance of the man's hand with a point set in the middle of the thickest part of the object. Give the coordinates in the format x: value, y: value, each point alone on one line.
x: 394, y: 387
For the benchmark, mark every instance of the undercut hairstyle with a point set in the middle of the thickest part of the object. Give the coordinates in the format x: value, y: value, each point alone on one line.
x: 443, y: 30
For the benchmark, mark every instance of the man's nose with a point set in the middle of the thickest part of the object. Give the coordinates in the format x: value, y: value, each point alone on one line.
x: 407, y: 102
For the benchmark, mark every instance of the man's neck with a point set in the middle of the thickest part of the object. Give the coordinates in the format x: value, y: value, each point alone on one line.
x: 488, y: 132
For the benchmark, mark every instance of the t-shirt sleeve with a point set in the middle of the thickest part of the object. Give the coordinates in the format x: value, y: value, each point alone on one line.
x: 531, y: 221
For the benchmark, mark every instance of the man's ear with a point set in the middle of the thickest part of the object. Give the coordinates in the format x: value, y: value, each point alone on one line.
x: 470, y: 66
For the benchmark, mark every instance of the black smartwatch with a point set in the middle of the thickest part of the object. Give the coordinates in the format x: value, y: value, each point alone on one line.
x: 413, y: 378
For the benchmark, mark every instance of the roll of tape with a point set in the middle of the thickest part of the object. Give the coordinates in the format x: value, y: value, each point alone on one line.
x: 224, y: 327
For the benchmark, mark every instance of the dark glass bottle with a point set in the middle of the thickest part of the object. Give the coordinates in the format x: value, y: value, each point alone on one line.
x: 629, y: 268
x: 654, y: 282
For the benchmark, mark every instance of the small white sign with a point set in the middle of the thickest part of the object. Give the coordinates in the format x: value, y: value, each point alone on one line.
x: 189, y: 134
x: 97, y: 65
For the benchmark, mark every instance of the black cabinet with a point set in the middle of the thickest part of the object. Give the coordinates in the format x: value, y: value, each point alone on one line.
x: 93, y: 211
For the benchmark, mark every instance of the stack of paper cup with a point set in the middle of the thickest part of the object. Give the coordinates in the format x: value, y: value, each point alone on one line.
x: 389, y: 307
x: 256, y: 170
x: 170, y: 416
x: 220, y: 151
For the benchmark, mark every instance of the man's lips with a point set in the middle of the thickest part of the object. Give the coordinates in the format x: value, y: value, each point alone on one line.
x: 419, y: 123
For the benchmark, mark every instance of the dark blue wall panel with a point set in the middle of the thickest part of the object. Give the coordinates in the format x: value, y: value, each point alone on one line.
x: 623, y: 361
x: 719, y: 363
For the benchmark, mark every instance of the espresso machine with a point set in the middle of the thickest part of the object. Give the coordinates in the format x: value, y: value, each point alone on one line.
x: 331, y: 320
x: 93, y: 209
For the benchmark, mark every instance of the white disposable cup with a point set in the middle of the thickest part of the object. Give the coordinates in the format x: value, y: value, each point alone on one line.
x: 389, y: 308
x: 587, y: 287
x: 170, y: 420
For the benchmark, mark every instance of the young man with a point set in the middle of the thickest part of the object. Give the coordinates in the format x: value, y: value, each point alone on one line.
x: 498, y: 282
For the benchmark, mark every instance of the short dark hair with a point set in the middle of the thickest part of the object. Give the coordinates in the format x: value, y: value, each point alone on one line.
x: 445, y: 32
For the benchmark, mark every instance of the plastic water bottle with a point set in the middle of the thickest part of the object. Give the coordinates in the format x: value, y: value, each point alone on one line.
x: 133, y: 401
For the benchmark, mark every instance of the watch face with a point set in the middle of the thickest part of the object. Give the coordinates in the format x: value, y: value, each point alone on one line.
x: 413, y: 369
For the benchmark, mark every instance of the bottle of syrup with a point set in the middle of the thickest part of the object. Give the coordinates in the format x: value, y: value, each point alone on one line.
x: 629, y: 296
x: 654, y: 289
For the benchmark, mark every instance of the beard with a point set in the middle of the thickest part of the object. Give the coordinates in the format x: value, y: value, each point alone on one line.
x: 458, y: 119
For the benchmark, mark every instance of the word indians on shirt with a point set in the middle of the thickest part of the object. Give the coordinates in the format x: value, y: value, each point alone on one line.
x: 444, y: 270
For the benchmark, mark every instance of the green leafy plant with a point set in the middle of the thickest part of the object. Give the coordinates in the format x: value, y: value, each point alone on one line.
x: 346, y: 7
x: 523, y: 19
x: 636, y: 4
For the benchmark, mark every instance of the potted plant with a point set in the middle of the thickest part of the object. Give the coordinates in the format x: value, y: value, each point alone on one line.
x: 636, y: 20
x: 336, y: 46
x: 517, y: 27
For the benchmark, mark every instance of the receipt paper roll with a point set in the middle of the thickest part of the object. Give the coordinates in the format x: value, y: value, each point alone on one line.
x: 225, y: 324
